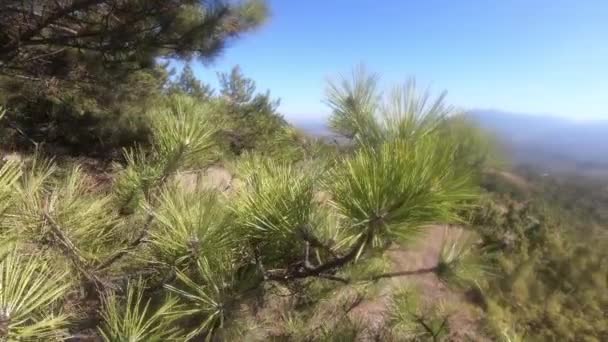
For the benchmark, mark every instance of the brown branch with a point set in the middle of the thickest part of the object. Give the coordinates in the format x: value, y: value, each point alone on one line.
x: 314, y: 242
x: 434, y: 334
x: 132, y: 245
x: 445, y: 320
x: 14, y: 126
x: 302, y: 270
x: 372, y: 278
x: 64, y: 29
x: 71, y: 251
x: 403, y: 273
x: 425, y: 326
x: 78, y: 5
x: 307, y: 262
x: 334, y: 278
x: 337, y: 261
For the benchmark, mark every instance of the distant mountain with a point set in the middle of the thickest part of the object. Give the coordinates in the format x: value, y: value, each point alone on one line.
x: 543, y: 141
x: 315, y: 126
x: 553, y: 143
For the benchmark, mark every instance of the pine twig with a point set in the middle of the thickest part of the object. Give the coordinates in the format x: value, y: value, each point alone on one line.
x: 403, y: 273
x: 71, y: 251
x: 169, y: 169
x: 132, y: 245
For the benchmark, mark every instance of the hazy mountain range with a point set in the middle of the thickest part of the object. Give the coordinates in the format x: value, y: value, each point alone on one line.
x: 549, y: 142
x: 554, y: 143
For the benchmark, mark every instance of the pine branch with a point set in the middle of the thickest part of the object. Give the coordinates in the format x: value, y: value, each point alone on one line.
x: 60, y: 13
x: 22, y: 133
x: 314, y: 242
x: 302, y: 270
x: 132, y: 245
x: 305, y: 269
x: 71, y: 251
x: 169, y: 169
x: 403, y: 273
x: 334, y: 278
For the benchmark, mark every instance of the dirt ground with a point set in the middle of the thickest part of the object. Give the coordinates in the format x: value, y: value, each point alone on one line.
x: 463, y: 317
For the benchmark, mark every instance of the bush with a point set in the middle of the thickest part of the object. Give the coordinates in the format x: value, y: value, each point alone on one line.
x: 551, y: 277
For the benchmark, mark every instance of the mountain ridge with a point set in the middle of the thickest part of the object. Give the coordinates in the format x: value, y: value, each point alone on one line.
x: 540, y: 140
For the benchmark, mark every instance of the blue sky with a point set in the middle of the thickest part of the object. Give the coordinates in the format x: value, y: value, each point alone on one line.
x: 532, y: 56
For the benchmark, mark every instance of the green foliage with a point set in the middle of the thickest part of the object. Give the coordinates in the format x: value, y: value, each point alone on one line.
x: 411, y: 114
x: 192, y: 227
x: 207, y: 296
x: 188, y: 84
x: 165, y: 262
x: 10, y: 173
x: 30, y: 288
x: 477, y: 149
x: 360, y: 112
x: 410, y: 320
x: 236, y: 87
x: 345, y: 331
x: 81, y: 215
x: 552, y: 275
x: 78, y: 76
x: 49, y: 208
x: 134, y: 181
x: 354, y: 103
x: 183, y: 130
x: 275, y: 207
x: 79, y: 121
x: 88, y: 41
x: 252, y: 120
x: 372, y: 188
x: 136, y: 318
x: 460, y: 263
x: 583, y: 198
x: 184, y: 133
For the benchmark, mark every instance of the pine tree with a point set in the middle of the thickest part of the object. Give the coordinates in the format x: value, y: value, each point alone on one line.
x: 79, y: 73
x: 235, y: 87
x: 83, y: 40
x: 254, y: 121
x: 187, y: 83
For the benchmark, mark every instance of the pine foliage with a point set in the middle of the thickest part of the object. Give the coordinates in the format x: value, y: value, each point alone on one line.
x: 161, y: 262
x: 135, y: 319
x: 30, y: 289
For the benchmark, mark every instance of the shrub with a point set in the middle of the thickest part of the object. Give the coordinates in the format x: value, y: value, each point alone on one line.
x: 551, y: 277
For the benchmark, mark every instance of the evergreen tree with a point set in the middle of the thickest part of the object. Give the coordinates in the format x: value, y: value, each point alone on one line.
x: 253, y: 119
x: 235, y: 87
x: 80, y: 73
x: 83, y: 40
x: 187, y: 83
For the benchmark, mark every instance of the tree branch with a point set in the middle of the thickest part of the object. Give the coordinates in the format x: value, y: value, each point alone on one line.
x: 71, y: 251
x: 403, y: 273
x: 314, y: 242
x: 132, y: 245
x: 302, y: 270
x: 77, y: 5
x: 334, y: 278
x: 170, y: 167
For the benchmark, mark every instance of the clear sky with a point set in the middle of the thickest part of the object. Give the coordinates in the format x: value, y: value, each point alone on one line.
x: 531, y: 56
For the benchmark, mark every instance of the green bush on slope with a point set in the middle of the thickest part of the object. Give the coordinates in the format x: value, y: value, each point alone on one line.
x: 552, y: 275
